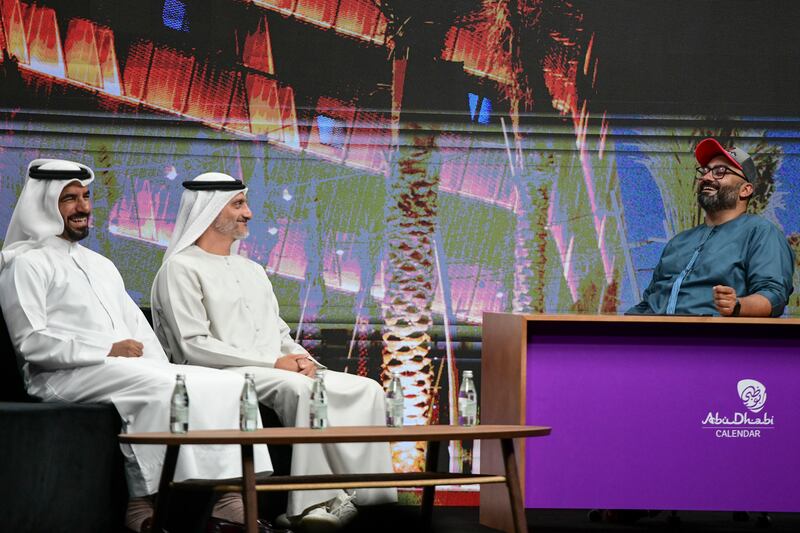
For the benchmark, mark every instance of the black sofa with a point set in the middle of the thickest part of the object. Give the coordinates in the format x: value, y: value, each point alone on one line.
x: 62, y: 469
x: 61, y: 464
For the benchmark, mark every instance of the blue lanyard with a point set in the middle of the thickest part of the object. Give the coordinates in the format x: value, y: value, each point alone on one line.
x: 676, y: 287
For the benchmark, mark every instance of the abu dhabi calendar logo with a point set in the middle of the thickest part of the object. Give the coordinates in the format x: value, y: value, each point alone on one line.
x: 741, y: 424
x: 753, y: 394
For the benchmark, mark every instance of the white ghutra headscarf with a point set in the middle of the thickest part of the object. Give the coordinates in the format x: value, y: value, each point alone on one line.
x: 36, y: 216
x: 198, y: 209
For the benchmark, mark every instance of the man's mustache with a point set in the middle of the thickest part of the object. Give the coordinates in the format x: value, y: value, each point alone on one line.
x: 711, y: 184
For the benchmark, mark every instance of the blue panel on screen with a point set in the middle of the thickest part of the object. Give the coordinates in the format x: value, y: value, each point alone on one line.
x: 473, y: 104
x: 174, y: 15
x: 331, y: 131
x: 486, y: 111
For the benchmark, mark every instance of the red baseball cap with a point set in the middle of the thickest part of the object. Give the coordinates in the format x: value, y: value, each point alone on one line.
x: 709, y: 148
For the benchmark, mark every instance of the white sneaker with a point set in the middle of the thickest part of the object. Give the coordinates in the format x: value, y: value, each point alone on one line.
x: 343, y: 508
x: 319, y: 520
x: 284, y: 522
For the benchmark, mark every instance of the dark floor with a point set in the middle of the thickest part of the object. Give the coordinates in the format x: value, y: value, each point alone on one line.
x: 465, y: 519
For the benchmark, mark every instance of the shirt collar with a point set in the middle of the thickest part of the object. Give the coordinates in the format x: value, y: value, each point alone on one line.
x: 62, y: 245
x: 733, y: 222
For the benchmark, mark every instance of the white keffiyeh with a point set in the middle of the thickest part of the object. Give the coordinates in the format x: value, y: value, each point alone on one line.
x: 197, y: 211
x: 36, y: 216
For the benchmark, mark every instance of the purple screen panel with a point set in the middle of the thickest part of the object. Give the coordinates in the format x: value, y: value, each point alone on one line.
x: 664, y: 423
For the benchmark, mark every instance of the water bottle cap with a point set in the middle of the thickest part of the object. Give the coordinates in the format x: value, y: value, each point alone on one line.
x: 249, y: 375
x: 467, y: 373
x: 395, y: 372
x: 180, y: 376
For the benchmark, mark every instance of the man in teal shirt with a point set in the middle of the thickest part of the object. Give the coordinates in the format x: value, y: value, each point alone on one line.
x: 735, y: 264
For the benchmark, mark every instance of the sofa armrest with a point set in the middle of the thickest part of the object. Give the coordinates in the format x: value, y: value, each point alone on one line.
x: 62, y: 467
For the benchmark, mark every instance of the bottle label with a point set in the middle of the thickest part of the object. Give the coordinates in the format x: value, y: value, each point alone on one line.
x: 397, y: 411
x: 467, y: 410
x: 470, y: 408
x: 248, y: 420
x: 319, y: 415
x: 179, y: 418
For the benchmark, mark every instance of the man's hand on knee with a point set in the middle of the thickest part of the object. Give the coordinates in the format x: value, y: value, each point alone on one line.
x: 126, y: 348
x: 290, y: 362
x: 307, y: 366
x: 297, y: 362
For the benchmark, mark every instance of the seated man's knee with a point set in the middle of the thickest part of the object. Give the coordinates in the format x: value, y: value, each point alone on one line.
x: 296, y: 385
x: 154, y: 380
x: 374, y: 386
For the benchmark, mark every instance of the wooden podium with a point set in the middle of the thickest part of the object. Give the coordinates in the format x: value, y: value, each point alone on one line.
x: 648, y: 412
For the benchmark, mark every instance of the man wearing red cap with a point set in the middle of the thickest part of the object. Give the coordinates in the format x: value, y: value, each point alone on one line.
x: 735, y: 264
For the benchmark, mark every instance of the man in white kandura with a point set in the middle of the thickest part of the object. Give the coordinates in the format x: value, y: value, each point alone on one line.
x: 82, y: 339
x: 215, y: 308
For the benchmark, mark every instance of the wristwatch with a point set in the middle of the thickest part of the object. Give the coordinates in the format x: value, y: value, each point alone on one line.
x: 737, y: 308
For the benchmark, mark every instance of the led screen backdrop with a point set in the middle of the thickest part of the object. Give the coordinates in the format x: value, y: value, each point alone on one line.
x: 410, y: 164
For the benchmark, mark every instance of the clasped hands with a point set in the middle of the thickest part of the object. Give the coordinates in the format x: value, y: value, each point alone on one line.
x: 297, y: 362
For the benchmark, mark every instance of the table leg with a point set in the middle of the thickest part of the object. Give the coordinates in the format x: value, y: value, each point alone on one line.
x: 514, y: 489
x: 431, y: 460
x: 249, y: 489
x: 162, y: 498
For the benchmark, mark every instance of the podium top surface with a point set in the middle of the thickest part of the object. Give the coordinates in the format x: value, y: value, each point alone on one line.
x: 645, y: 319
x: 290, y: 435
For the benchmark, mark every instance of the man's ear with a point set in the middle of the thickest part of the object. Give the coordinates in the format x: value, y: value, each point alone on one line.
x: 746, y: 190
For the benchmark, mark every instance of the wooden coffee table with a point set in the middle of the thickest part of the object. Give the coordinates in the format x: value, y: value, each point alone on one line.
x: 248, y: 484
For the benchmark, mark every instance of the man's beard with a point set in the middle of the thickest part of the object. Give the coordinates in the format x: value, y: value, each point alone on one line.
x: 229, y: 227
x: 75, y: 235
x: 726, y: 198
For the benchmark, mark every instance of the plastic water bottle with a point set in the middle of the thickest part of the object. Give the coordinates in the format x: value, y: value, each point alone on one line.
x: 179, y: 407
x: 467, y: 401
x: 318, y: 413
x: 394, y: 401
x: 248, y: 404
